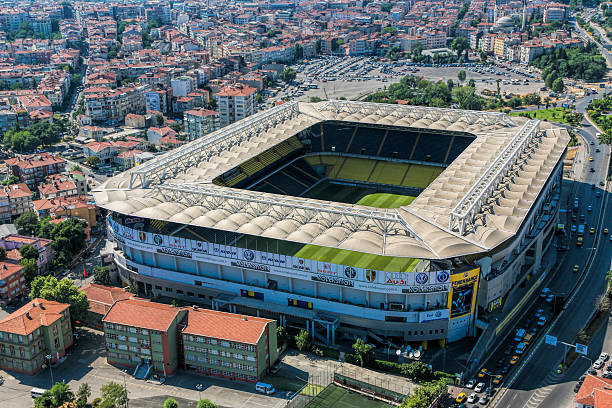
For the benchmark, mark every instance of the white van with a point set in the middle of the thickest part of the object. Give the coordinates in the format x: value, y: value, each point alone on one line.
x: 37, y: 392
x: 264, y: 388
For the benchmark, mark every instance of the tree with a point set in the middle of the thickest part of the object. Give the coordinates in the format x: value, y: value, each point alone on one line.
x: 606, y: 138
x: 170, y: 403
x: 29, y: 252
x: 515, y: 101
x: 417, y: 370
x: 483, y: 56
x: 12, y: 179
x: 459, y: 45
x: 30, y: 269
x: 287, y: 75
x: 461, y: 75
x: 363, y: 350
x: 298, y: 52
x: 466, y: 97
x: 206, y: 403
x: 57, y: 396
x: 609, y: 280
x: 101, y: 275
x: 113, y: 395
x: 2, y: 254
x: 532, y: 99
x: 83, y: 395
x: 472, y: 83
x: 558, y: 85
x: 302, y: 340
x: 27, y: 223
x: 76, y: 167
x: 64, y: 291
x: 92, y: 161
x: 281, y: 335
x: 389, y: 30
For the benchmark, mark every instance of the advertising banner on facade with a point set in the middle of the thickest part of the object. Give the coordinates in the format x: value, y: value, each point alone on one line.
x: 313, y: 270
x: 462, y: 296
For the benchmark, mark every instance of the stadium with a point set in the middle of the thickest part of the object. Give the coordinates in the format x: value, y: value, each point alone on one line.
x: 342, y: 217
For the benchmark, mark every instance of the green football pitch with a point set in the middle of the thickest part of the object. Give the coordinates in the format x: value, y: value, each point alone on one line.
x: 336, y: 397
x: 385, y: 200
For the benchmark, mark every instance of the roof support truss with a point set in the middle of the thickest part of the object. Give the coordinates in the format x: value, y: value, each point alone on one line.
x: 472, y: 203
x: 385, y: 109
x: 205, y: 148
x: 327, y: 214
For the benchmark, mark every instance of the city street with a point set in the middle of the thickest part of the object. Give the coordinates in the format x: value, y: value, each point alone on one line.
x: 537, y: 384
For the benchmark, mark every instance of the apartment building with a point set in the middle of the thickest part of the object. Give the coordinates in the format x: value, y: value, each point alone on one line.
x: 15, y: 199
x: 34, y: 168
x: 183, y: 85
x: 228, y: 345
x: 12, y: 282
x: 110, y: 106
x: 199, y: 122
x: 143, y: 335
x: 36, y: 330
x: 235, y: 102
x: 13, y: 242
x: 74, y: 206
x: 57, y: 185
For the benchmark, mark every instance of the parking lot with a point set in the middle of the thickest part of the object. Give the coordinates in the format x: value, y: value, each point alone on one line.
x: 86, y: 363
x: 355, y: 77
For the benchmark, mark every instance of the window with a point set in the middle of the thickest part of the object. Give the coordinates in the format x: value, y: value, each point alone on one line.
x: 225, y: 343
x: 168, y: 289
x: 180, y: 292
x: 190, y: 357
x: 157, y: 287
x: 190, y: 294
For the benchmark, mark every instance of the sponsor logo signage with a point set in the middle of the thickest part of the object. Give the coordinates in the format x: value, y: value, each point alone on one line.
x: 430, y: 315
x: 345, y: 275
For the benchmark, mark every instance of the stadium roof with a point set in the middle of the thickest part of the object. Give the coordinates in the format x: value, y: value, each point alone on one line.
x: 479, y: 200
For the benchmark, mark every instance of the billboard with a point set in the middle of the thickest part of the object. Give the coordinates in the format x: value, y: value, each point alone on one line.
x: 342, y: 275
x: 462, y: 296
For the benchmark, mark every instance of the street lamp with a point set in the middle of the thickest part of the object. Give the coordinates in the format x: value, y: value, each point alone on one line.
x: 199, y: 388
x: 125, y: 388
x: 49, y: 357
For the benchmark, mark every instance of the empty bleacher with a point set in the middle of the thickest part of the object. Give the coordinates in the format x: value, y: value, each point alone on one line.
x: 293, y: 179
x: 420, y: 176
x: 431, y: 147
x: 356, y: 169
x: 388, y: 173
x: 367, y: 141
x: 398, y: 144
x: 459, y: 144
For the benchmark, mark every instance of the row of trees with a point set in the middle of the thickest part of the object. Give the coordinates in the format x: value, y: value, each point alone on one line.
x: 599, y: 110
x: 113, y: 395
x: 420, y: 92
x: 578, y: 63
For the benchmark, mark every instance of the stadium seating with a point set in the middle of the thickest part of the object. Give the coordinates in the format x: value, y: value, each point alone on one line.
x: 336, y: 135
x: 388, y: 173
x: 355, y: 169
x: 431, y: 147
x: 460, y: 143
x: 420, y: 176
x: 398, y: 141
x: 367, y: 141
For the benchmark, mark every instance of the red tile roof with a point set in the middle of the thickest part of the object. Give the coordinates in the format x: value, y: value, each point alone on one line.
x: 35, y: 160
x: 8, y: 269
x: 15, y: 191
x: 37, y: 313
x: 201, y: 112
x: 227, y: 326
x: 101, y: 297
x: 595, y: 391
x: 141, y: 313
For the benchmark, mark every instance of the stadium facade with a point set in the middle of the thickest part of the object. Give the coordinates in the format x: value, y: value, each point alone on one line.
x: 266, y: 217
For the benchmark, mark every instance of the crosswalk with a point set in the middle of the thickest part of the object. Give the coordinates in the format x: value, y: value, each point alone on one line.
x: 547, y: 387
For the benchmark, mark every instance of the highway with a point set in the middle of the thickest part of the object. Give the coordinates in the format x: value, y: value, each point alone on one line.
x: 536, y: 383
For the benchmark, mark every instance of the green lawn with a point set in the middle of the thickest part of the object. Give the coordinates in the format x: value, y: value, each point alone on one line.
x: 551, y: 114
x: 385, y: 200
x: 337, y: 397
x: 357, y: 259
